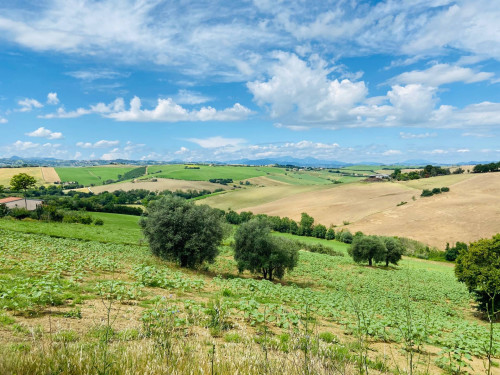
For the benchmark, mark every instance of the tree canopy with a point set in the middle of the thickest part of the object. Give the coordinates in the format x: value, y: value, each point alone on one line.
x: 367, y: 248
x: 257, y: 251
x: 183, y: 232
x: 478, y: 266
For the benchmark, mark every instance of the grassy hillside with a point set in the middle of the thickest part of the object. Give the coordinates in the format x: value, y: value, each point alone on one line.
x: 91, y: 175
x: 117, y: 307
x: 7, y: 173
x: 205, y: 172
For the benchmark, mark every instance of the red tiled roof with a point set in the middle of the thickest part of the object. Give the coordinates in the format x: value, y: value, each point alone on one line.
x: 10, y: 199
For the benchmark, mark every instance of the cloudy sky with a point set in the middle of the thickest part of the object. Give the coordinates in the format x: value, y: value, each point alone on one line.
x: 345, y: 80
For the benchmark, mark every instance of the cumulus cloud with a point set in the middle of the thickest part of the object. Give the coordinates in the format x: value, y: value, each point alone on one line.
x: 3, y: 120
x: 99, y: 144
x: 45, y: 133
x: 167, y: 110
x: 191, y: 97
x: 28, y: 104
x: 32, y: 149
x: 52, y: 98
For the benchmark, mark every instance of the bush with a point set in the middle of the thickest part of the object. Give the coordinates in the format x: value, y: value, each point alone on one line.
x: 257, y: 251
x: 183, y: 232
x: 426, y: 193
x: 436, y: 191
x: 330, y: 234
x: 319, y: 231
x: 3, y: 210
x: 344, y: 236
x: 445, y: 189
x: 98, y: 222
x: 19, y: 213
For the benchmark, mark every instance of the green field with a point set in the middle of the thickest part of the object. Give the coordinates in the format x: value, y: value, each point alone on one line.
x: 206, y: 172
x: 91, y: 175
x: 122, y: 229
x: 71, y: 280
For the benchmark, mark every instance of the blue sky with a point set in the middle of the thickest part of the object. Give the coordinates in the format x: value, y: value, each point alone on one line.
x: 215, y: 80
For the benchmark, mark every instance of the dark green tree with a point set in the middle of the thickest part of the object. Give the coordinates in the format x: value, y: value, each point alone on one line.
x: 319, y: 231
x: 367, y: 248
x: 22, y: 181
x: 306, y: 225
x: 393, y: 250
x: 257, y: 251
x: 181, y: 231
x: 330, y: 234
x: 451, y: 253
x: 478, y: 267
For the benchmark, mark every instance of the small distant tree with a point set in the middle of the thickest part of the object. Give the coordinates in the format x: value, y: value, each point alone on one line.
x: 393, y: 250
x: 330, y: 234
x: 478, y: 268
x: 451, y: 253
x: 181, y: 231
x: 22, y: 181
x: 3, y: 210
x: 344, y: 236
x: 232, y: 217
x: 367, y: 248
x: 319, y: 231
x: 257, y: 251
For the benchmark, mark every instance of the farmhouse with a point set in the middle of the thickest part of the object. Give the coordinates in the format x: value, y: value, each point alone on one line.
x: 16, y: 202
x: 380, y: 176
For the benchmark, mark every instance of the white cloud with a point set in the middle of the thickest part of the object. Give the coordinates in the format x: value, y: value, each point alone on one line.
x: 52, y: 98
x: 100, y: 108
x: 45, y: 133
x: 416, y: 136
x: 391, y: 152
x: 31, y: 149
x: 77, y: 155
x: 463, y: 150
x: 181, y: 151
x: 3, y: 120
x: 297, y: 88
x: 441, y: 74
x: 99, y: 144
x: 191, y: 97
x: 93, y: 75
x: 218, y: 141
x: 477, y: 135
x: 28, y: 104
x: 167, y: 110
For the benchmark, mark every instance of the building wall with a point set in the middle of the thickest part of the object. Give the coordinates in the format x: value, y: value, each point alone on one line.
x: 30, y: 205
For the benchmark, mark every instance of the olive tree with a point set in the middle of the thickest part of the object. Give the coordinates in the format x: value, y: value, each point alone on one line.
x: 367, y: 248
x: 257, y: 251
x: 180, y: 231
x: 393, y: 250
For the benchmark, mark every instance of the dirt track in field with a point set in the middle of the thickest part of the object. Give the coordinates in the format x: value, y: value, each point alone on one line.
x: 468, y: 212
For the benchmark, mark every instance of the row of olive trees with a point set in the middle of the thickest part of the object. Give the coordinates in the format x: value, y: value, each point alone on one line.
x: 376, y: 249
x: 189, y: 234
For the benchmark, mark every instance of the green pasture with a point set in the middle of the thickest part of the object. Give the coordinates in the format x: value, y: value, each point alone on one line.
x: 207, y: 172
x: 91, y: 175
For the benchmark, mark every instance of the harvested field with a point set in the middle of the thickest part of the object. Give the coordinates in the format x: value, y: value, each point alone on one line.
x: 242, y: 198
x: 469, y: 211
x: 7, y: 173
x: 338, y: 203
x: 50, y: 175
x: 160, y: 185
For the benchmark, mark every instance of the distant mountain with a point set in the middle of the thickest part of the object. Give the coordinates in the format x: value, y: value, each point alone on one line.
x: 284, y: 160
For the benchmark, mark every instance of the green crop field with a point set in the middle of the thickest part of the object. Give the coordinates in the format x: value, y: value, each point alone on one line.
x: 91, y: 175
x: 206, y: 172
x: 80, y: 305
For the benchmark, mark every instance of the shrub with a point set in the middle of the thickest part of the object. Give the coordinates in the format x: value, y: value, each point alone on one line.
x: 3, y: 210
x: 330, y: 234
x: 345, y: 236
x: 445, y: 189
x: 426, y: 193
x: 19, y: 213
x: 436, y: 191
x: 98, y: 222
x: 319, y: 231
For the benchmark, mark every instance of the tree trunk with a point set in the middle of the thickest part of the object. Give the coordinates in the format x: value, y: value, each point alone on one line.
x: 184, y: 261
x: 264, y: 272
x: 387, y: 262
x: 270, y: 274
x: 370, y: 262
